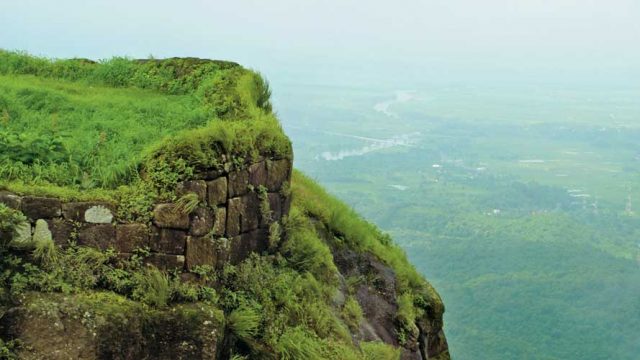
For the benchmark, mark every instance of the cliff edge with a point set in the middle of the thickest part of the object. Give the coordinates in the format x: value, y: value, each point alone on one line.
x: 149, y: 209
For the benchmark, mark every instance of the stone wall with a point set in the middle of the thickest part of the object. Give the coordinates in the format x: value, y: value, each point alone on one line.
x: 228, y: 224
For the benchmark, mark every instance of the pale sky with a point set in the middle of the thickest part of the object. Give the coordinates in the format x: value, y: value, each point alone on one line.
x: 345, y: 39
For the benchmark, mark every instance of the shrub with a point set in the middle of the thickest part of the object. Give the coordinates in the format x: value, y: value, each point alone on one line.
x: 304, y: 249
x: 8, y: 349
x: 46, y: 252
x: 352, y: 313
x: 297, y: 343
x: 244, y: 322
x: 9, y: 221
x: 377, y: 350
x: 187, y: 203
x: 152, y: 287
x: 30, y: 149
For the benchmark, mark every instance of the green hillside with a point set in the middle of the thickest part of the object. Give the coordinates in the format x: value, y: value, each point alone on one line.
x: 129, y: 131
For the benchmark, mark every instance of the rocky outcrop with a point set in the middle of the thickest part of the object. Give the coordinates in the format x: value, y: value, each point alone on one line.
x: 103, y: 326
x: 230, y: 220
x: 376, y: 291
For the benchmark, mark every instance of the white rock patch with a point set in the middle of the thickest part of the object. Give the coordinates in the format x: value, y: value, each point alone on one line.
x: 23, y: 234
x: 98, y: 215
x: 42, y: 232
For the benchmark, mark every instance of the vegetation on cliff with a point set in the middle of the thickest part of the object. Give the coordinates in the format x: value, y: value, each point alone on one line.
x: 296, y: 316
x: 129, y: 131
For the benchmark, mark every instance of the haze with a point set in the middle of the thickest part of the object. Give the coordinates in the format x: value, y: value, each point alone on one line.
x: 496, y: 141
x: 348, y: 40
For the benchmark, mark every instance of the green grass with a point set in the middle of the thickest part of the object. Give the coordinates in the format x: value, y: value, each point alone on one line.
x: 128, y: 131
x: 100, y: 132
x: 352, y: 231
x: 356, y: 233
x: 294, y: 317
x: 93, y: 126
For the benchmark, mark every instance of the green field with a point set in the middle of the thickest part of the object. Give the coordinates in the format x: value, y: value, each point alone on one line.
x: 520, y: 204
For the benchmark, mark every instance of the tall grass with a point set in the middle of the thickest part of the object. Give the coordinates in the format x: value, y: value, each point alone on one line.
x: 153, y: 287
x: 84, y: 124
x: 353, y: 232
x: 244, y: 322
x: 46, y: 252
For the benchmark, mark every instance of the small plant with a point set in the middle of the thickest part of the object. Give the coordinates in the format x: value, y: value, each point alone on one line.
x: 298, y: 343
x: 265, y: 207
x: 406, y: 318
x: 275, y: 235
x: 263, y: 93
x: 9, y: 221
x: 205, y: 272
x: 46, y: 252
x: 244, y: 322
x: 187, y: 203
x: 153, y: 287
x: 377, y: 350
x: 8, y: 349
x: 352, y: 313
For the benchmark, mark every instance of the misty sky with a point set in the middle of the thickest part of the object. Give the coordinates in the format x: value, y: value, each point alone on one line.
x: 346, y: 39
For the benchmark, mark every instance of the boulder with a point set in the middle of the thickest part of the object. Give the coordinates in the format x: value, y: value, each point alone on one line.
x: 165, y: 262
x: 258, y: 174
x: 98, y: 215
x: 202, y: 220
x: 100, y: 236
x: 91, y: 212
x: 275, y: 209
x: 41, y: 233
x: 243, y: 245
x: 168, y: 241
x: 130, y: 237
x: 41, y: 208
x: 217, y: 191
x: 200, y: 251
x: 168, y: 216
x: 198, y: 187
x: 102, y: 325
x: 234, y: 213
x: 62, y: 231
x: 23, y: 235
x: 278, y: 172
x: 223, y: 252
x: 243, y: 214
x: 238, y: 183
x: 10, y: 200
x: 220, y: 222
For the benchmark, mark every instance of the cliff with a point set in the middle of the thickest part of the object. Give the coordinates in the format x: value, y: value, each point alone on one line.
x: 149, y: 210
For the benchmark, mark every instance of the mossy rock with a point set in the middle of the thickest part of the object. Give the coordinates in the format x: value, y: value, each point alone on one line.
x: 103, y: 325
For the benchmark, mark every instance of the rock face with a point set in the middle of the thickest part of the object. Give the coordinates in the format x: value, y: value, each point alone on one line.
x: 169, y: 216
x: 378, y: 298
x: 41, y: 208
x: 91, y: 212
x: 230, y: 221
x: 235, y: 208
x: 56, y: 327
